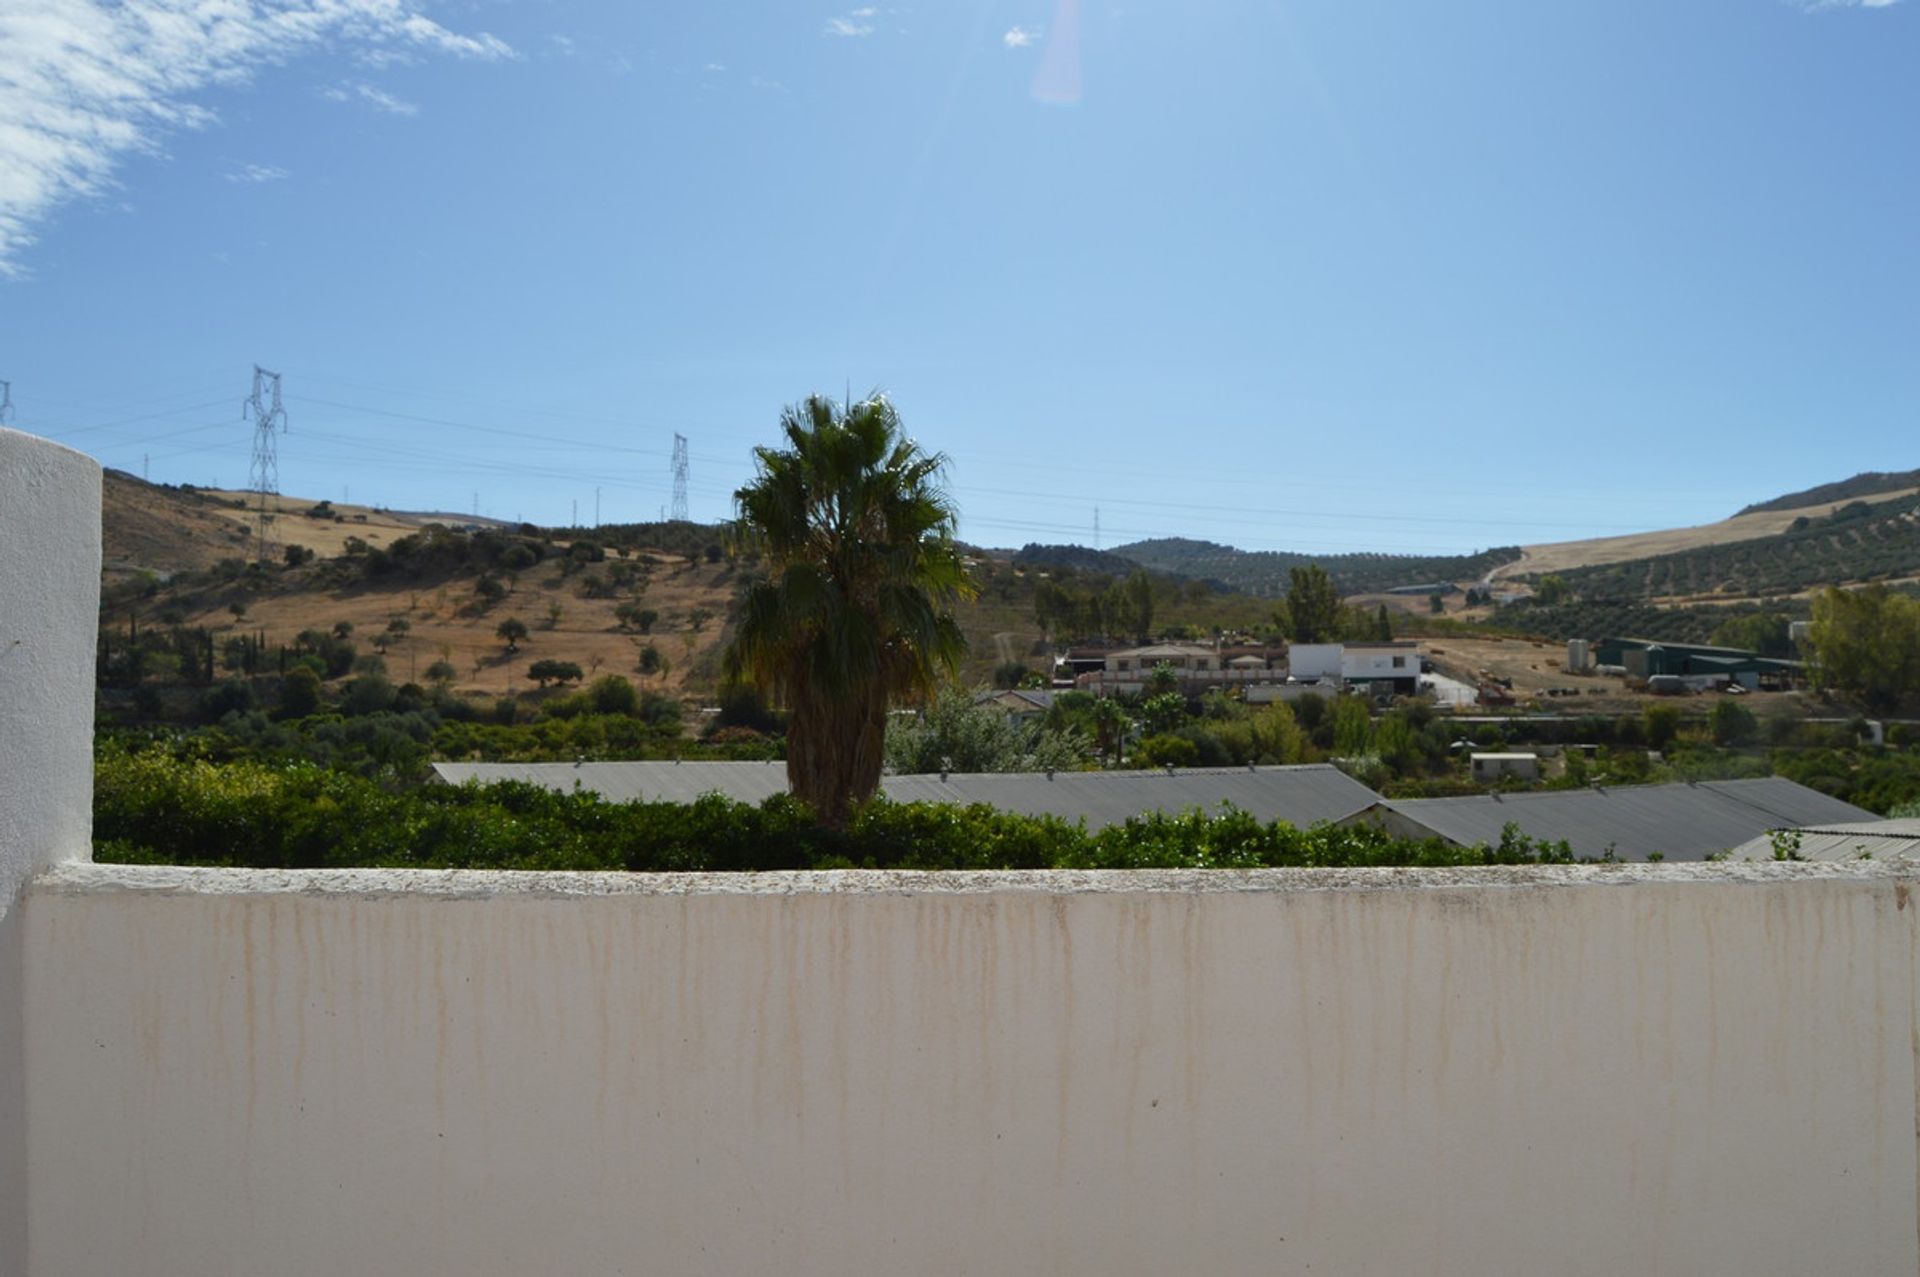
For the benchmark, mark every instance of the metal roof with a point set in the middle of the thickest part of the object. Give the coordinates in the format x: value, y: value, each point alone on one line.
x: 1875, y: 839
x: 1304, y: 795
x: 1679, y: 821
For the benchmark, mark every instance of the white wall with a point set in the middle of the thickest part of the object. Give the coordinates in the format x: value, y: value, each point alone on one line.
x: 1698, y: 1070
x: 1310, y: 661
x: 1360, y: 664
x: 49, y: 613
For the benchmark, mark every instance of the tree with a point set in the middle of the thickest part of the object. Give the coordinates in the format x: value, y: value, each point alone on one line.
x: 552, y: 671
x: 1139, y: 595
x: 1162, y: 680
x: 953, y: 733
x: 300, y: 693
x: 1435, y: 604
x: 1662, y: 725
x: 632, y: 615
x: 510, y: 632
x: 1009, y: 674
x: 1110, y: 726
x: 1866, y: 645
x: 1732, y: 723
x: 1765, y: 633
x: 1162, y: 713
x: 1311, y: 612
x: 442, y: 673
x: 856, y: 535
x: 1352, y: 726
x: 1552, y: 590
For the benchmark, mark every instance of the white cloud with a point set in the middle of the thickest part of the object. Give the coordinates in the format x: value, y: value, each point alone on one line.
x: 254, y: 174
x: 377, y: 98
x: 85, y: 83
x: 857, y: 23
x: 1019, y: 38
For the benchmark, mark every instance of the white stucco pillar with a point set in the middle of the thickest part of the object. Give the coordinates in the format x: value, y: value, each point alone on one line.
x: 49, y: 615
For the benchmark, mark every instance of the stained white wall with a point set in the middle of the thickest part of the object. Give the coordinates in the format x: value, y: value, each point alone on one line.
x: 1699, y: 1070
x: 49, y: 606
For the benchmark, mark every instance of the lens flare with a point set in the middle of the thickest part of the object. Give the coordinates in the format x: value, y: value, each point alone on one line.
x: 1058, y: 79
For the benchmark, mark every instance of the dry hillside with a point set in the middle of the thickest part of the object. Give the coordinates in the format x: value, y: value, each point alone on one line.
x: 154, y: 528
x: 165, y: 530
x: 1560, y: 556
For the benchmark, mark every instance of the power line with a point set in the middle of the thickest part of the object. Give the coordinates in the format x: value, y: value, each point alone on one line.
x: 269, y: 419
x: 6, y: 402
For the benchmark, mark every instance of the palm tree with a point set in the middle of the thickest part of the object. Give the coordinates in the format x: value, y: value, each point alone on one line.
x: 856, y: 534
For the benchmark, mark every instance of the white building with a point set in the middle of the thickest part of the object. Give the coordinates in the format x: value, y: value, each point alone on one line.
x: 1311, y: 662
x: 1396, y: 663
x: 1183, y: 657
x: 1488, y: 767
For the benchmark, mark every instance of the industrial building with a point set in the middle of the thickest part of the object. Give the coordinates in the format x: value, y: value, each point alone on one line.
x: 1646, y: 659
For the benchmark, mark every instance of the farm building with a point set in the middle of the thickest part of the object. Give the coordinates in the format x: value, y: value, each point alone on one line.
x: 1646, y: 659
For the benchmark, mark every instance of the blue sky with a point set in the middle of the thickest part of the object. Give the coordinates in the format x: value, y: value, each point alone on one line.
x: 1325, y: 275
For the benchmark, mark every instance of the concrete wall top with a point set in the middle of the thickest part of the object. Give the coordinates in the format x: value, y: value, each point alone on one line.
x: 473, y: 884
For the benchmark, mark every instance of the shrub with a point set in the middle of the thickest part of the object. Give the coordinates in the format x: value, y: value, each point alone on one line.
x: 611, y: 694
x: 153, y: 807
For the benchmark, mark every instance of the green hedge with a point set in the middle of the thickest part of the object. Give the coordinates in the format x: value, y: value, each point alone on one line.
x: 151, y: 807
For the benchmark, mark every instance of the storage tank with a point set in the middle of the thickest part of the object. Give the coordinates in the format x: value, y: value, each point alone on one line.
x: 1579, y: 655
x: 1799, y: 631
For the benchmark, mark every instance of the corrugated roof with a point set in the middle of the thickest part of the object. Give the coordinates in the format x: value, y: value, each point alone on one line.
x: 1302, y: 796
x: 1679, y: 822
x: 1877, y: 839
